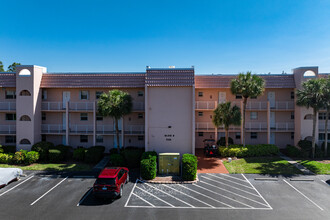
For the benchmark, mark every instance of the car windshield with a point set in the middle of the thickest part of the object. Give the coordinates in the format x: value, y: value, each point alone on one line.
x: 106, y: 181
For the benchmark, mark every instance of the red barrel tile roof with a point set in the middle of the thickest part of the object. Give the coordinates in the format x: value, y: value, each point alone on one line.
x: 170, y: 77
x: 7, y: 80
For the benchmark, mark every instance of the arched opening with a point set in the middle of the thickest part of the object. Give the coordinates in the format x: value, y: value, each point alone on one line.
x: 25, y: 141
x: 25, y: 118
x: 308, y: 117
x: 25, y: 72
x: 25, y: 93
x: 309, y: 74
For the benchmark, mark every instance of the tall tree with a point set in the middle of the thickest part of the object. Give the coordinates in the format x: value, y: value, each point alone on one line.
x: 226, y: 115
x: 12, y: 67
x: 115, y: 104
x: 311, y: 96
x: 326, y: 105
x: 1, y: 67
x: 248, y: 85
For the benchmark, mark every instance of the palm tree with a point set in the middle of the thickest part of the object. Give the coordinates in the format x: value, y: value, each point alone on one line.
x: 226, y: 115
x: 326, y: 105
x: 115, y: 104
x: 247, y: 85
x: 311, y: 96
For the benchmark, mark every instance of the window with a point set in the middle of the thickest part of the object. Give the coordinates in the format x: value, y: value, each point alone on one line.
x: 25, y: 141
x: 83, y: 116
x: 140, y: 138
x: 292, y: 135
x: 321, y: 136
x: 323, y: 116
x: 43, y: 116
x: 83, y: 139
x: 43, y: 137
x: 253, y: 115
x: 140, y: 93
x: 140, y: 115
x: 238, y: 96
x: 211, y: 116
x: 309, y: 74
x: 308, y: 117
x: 25, y: 93
x: 25, y: 118
x: 200, y: 94
x: 200, y: 134
x: 99, y: 117
x: 44, y: 94
x: 10, y: 94
x: 24, y: 72
x: 200, y: 113
x: 98, y: 94
x: 292, y: 115
x: 238, y: 135
x: 84, y: 95
x: 10, y: 117
x: 99, y: 139
x: 10, y: 139
x: 292, y: 95
x: 254, y: 135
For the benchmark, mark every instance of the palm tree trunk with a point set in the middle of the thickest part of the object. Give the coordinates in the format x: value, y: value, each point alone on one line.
x: 326, y: 133
x: 117, y: 135
x: 226, y: 136
x: 243, y: 121
x: 313, y: 134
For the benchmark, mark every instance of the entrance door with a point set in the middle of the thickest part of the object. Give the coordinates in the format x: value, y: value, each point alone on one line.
x: 272, y: 120
x: 272, y: 138
x: 271, y: 99
x: 222, y: 97
x: 66, y: 98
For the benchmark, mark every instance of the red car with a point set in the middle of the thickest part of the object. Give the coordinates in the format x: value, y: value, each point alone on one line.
x: 110, y: 182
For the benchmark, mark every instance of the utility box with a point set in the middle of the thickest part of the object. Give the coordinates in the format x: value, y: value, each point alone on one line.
x: 169, y: 163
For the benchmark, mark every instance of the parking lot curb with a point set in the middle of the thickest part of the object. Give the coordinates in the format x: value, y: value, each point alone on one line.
x: 101, y: 164
x: 170, y: 182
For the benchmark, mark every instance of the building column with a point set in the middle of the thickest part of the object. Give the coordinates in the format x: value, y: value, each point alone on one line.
x: 242, y: 130
x: 122, y: 132
x: 67, y: 124
x: 146, y: 128
x: 94, y: 123
x: 193, y: 122
x: 268, y: 122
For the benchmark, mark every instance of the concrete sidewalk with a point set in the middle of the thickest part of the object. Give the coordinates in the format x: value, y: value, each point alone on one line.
x: 303, y: 169
x: 209, y: 164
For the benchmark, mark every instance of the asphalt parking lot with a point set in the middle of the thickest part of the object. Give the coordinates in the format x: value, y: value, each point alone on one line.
x: 42, y: 195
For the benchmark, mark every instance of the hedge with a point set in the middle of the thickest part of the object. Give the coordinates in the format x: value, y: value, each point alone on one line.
x: 42, y: 148
x: 222, y: 141
x: 149, y: 154
x: 292, y: 151
x: 79, y: 154
x: 249, y: 150
x: 189, y: 167
x: 19, y: 157
x: 66, y: 151
x: 55, y: 156
x: 8, y: 149
x: 94, y: 154
x: 133, y: 156
x: 148, y: 168
x: 117, y: 160
x: 6, y: 158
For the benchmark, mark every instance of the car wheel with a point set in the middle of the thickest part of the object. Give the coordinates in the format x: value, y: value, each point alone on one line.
x: 120, y: 192
x: 127, y: 179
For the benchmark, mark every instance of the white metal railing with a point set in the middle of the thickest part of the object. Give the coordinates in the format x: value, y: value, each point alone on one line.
x: 205, y: 126
x: 52, y: 128
x: 8, y: 106
x: 134, y: 129
x: 205, y: 104
x: 86, y: 106
x: 284, y: 105
x: 322, y: 126
x: 258, y: 126
x: 283, y: 126
x: 7, y: 129
x: 52, y: 106
x: 85, y: 129
x: 105, y: 129
x: 256, y: 105
x: 137, y: 106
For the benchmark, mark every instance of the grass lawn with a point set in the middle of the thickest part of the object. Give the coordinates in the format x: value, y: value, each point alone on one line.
x: 261, y: 165
x: 52, y: 166
x: 315, y: 166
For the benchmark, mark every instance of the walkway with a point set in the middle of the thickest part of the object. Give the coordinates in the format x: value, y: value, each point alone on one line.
x: 209, y: 164
x: 303, y: 169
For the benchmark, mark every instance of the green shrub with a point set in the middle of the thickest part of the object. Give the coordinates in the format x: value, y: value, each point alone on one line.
x: 189, y: 167
x: 9, y: 149
x: 42, y: 148
x: 148, y: 168
x: 117, y: 160
x: 94, y: 154
x: 19, y: 157
x: 328, y: 149
x: 31, y: 157
x: 115, y: 150
x: 222, y: 141
x: 55, y: 156
x: 292, y: 151
x: 133, y: 156
x: 6, y: 158
x: 148, y: 154
x: 249, y: 150
x: 65, y: 150
x: 79, y: 154
x: 1, y: 150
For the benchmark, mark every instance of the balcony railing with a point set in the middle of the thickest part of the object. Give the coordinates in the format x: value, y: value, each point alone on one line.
x: 134, y: 129
x: 10, y: 106
x: 85, y: 106
x: 283, y: 126
x: 138, y: 106
x: 205, y: 126
x: 105, y: 129
x: 322, y: 126
x: 288, y: 105
x: 256, y: 105
x: 205, y: 104
x: 7, y: 129
x: 52, y: 106
x: 256, y: 126
x: 84, y: 129
x: 52, y: 128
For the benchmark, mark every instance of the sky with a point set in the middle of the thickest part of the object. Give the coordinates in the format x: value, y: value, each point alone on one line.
x: 214, y: 36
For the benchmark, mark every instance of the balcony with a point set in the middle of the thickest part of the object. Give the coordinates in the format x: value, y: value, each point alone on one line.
x: 205, y: 105
x: 7, y: 106
x: 81, y: 106
x: 81, y: 129
x: 49, y: 106
x: 322, y: 126
x: 7, y: 129
x: 52, y: 129
x: 256, y: 126
x: 256, y: 105
x: 105, y: 129
x: 138, y: 106
x: 204, y: 126
x: 283, y: 126
x: 134, y: 129
x: 288, y: 105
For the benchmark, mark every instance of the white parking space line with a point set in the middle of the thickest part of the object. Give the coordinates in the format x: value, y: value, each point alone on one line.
x: 303, y: 195
x: 227, y: 175
x: 143, y: 200
x: 231, y: 186
x: 83, y: 176
x: 48, y: 191
x: 16, y: 186
x: 252, y: 200
x: 155, y: 196
x: 229, y: 181
x: 189, y: 196
x: 81, y: 201
x: 129, y: 197
x: 257, y: 191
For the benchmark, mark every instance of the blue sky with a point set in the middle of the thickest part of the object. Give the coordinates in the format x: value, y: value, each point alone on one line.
x: 213, y: 35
